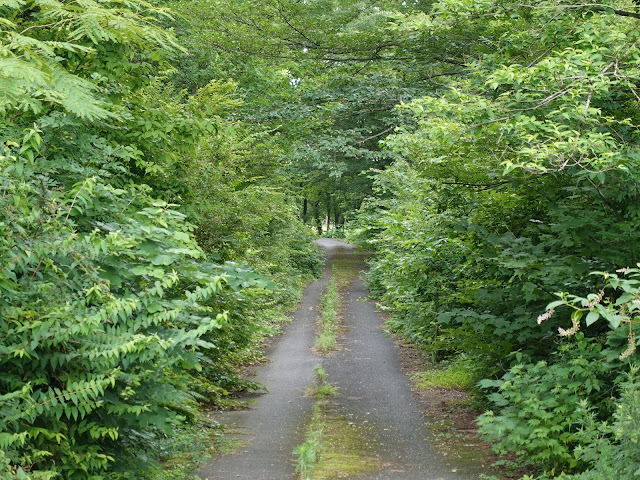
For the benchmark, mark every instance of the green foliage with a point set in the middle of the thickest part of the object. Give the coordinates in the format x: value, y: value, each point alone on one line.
x: 460, y: 374
x: 611, y: 450
x: 179, y: 454
x: 104, y: 293
x: 67, y: 53
x: 322, y: 389
x: 101, y: 318
x: 617, y: 303
x: 150, y: 230
x: 516, y: 179
x: 542, y: 406
x: 115, y: 318
x: 315, y: 75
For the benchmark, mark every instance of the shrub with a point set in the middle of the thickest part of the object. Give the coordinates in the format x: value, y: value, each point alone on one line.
x: 612, y: 450
x: 104, y: 301
x: 540, y: 407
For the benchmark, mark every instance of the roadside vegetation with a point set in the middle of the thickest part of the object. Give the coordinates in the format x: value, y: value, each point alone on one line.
x: 140, y: 258
x: 505, y: 233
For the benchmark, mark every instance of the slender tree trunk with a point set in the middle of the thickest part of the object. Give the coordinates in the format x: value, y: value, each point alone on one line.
x: 328, y: 200
x: 305, y: 210
x: 316, y: 216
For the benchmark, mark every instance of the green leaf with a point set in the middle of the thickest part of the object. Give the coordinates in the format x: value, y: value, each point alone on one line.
x: 592, y: 317
x: 163, y: 259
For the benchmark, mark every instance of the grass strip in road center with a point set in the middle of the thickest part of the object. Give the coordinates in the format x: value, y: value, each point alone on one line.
x: 335, y: 446
x: 343, y: 272
x: 326, y: 341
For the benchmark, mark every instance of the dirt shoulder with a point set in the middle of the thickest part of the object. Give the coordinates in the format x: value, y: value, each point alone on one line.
x: 452, y: 419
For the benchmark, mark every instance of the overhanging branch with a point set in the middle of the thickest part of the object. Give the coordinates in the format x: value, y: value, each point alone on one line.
x: 600, y: 6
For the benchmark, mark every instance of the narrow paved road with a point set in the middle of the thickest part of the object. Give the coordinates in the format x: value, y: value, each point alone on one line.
x: 373, y: 389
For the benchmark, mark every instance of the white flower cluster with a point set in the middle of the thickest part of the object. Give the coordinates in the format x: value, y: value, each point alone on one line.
x: 546, y: 315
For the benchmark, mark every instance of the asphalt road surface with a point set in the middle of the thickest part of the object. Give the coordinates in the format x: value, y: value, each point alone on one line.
x: 372, y: 389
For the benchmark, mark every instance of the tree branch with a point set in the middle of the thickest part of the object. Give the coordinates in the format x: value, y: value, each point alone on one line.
x: 377, y: 135
x: 295, y: 29
x: 601, y: 6
x: 481, y: 186
x: 450, y: 61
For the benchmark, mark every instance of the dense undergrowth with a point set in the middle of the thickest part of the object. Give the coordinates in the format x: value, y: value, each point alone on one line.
x: 140, y: 259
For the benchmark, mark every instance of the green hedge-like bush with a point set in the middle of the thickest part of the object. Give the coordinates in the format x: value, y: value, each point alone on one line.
x: 541, y: 408
x: 99, y: 324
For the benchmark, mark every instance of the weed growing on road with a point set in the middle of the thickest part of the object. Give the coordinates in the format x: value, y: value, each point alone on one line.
x: 322, y: 389
x: 348, y: 448
x: 335, y: 446
x: 326, y: 341
x: 321, y: 375
x: 342, y: 274
x: 307, y: 453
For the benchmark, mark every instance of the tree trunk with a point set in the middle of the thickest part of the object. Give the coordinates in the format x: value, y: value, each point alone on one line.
x: 316, y: 216
x: 305, y: 211
x: 328, y: 200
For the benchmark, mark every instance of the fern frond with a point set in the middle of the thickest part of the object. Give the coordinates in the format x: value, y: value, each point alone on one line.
x: 36, y: 69
x: 22, y: 71
x: 26, y: 85
x: 13, y: 4
x: 21, y: 44
x: 7, y: 23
